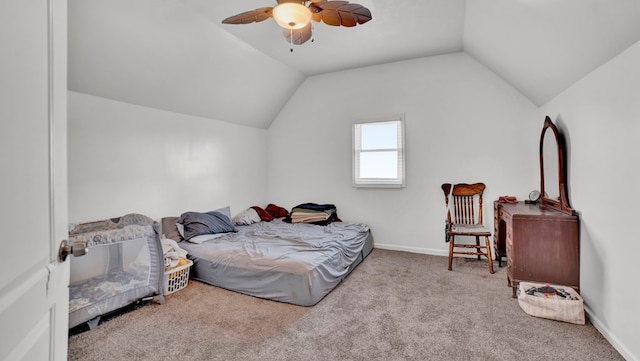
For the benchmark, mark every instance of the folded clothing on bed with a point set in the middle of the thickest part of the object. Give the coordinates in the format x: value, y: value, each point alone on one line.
x: 320, y: 214
x: 304, y: 216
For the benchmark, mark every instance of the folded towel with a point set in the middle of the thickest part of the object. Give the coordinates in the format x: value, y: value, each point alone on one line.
x: 507, y: 199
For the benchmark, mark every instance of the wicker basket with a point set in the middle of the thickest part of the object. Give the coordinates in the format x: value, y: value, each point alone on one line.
x: 176, y: 278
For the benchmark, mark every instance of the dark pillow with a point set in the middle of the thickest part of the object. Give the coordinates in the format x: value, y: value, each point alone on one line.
x: 169, y: 229
x: 213, y: 222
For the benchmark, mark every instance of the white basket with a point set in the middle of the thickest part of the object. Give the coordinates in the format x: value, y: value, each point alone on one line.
x: 571, y: 311
x: 176, y: 278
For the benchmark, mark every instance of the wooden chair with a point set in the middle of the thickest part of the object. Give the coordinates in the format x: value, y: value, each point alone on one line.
x: 464, y: 218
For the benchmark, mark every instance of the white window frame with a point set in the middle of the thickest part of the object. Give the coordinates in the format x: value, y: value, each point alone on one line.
x: 400, y: 180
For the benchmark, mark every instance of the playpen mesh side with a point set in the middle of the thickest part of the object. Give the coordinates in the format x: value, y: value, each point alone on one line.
x: 121, y: 282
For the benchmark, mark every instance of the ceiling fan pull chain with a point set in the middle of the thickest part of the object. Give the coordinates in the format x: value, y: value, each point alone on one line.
x: 291, y: 39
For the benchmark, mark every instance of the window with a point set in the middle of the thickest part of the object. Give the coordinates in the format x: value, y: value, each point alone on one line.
x: 378, y: 154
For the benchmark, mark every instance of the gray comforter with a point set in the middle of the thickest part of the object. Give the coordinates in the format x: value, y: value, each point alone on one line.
x: 293, y: 263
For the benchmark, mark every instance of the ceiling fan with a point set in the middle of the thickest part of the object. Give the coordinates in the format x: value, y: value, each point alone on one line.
x: 295, y: 16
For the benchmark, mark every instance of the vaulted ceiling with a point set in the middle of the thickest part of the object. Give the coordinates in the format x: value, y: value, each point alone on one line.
x: 176, y: 55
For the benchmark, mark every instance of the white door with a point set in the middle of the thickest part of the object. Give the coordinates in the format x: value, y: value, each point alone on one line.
x: 33, y: 191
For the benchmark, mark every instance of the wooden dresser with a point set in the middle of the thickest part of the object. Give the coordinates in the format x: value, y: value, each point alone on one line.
x: 541, y: 244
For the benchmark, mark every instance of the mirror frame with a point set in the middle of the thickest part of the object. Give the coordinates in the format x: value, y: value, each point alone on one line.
x: 562, y: 203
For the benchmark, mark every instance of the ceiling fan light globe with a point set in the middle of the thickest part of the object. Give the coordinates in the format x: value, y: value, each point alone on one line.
x: 292, y: 15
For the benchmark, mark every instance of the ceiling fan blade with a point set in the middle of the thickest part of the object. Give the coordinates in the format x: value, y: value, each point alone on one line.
x: 252, y: 16
x: 332, y: 5
x: 348, y: 20
x: 340, y: 13
x: 298, y: 36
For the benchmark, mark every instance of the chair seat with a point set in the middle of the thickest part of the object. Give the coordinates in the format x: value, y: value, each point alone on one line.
x: 470, y: 230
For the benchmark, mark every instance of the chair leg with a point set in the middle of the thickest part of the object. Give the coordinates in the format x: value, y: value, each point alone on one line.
x: 478, y: 246
x: 489, y: 254
x: 451, y: 240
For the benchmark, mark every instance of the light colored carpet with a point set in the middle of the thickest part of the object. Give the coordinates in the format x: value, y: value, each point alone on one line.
x: 394, y: 306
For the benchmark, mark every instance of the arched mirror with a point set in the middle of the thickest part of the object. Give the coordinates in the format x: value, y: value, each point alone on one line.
x: 550, y: 167
x: 553, y: 186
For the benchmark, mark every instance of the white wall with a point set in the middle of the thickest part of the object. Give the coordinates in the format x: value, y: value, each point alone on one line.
x: 601, y: 116
x: 126, y: 158
x: 463, y: 124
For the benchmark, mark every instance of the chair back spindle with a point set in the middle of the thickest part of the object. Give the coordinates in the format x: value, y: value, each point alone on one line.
x: 464, y: 210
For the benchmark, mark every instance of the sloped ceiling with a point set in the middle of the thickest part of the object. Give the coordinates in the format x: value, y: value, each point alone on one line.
x: 176, y: 55
x: 541, y: 47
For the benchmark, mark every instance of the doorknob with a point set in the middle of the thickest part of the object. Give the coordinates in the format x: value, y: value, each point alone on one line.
x: 77, y: 249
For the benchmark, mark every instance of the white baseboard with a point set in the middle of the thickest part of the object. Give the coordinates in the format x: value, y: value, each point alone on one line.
x: 613, y: 340
x: 430, y: 251
x: 393, y: 247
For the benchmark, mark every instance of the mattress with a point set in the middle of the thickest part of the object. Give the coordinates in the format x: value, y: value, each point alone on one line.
x: 292, y: 263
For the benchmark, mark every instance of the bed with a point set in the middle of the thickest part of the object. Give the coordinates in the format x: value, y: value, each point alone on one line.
x: 296, y: 263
